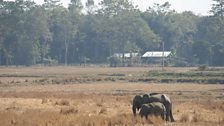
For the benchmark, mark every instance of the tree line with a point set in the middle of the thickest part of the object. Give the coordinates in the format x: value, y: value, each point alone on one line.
x: 34, y: 34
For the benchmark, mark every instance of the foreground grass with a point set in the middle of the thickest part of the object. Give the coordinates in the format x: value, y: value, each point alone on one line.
x: 105, y: 109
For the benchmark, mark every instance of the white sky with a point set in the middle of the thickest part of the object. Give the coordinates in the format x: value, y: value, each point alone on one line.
x: 197, y: 6
x: 200, y: 7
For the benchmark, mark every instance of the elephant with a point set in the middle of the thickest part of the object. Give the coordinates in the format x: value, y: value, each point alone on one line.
x: 154, y: 108
x: 154, y: 97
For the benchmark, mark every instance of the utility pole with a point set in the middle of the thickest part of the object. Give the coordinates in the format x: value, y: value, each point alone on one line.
x: 163, y: 56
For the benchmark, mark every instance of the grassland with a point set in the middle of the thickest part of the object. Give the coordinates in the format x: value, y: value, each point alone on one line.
x: 101, y: 96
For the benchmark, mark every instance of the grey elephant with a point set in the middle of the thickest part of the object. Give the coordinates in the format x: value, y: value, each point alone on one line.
x: 154, y: 108
x: 154, y: 97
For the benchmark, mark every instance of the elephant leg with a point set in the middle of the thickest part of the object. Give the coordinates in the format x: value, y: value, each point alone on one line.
x: 167, y: 117
x: 146, y: 116
x: 171, y: 116
x: 167, y: 112
x: 163, y: 117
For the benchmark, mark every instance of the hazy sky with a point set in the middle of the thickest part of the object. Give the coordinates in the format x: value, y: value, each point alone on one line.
x: 197, y: 6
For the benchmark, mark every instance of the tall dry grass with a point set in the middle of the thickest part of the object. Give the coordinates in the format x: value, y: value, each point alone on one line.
x: 105, y: 110
x: 72, y: 118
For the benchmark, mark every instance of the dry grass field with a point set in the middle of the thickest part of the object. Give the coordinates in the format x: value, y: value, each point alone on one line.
x: 101, y: 96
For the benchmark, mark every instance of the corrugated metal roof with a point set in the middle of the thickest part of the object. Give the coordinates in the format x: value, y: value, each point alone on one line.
x: 126, y: 55
x: 157, y: 54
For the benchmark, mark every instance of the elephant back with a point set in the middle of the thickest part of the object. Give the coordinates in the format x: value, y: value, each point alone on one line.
x: 157, y: 107
x: 154, y: 98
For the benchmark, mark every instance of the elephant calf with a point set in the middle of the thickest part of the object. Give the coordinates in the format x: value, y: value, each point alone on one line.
x: 154, y: 108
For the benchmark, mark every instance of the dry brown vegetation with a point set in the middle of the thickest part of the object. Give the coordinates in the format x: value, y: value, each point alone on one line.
x: 99, y: 96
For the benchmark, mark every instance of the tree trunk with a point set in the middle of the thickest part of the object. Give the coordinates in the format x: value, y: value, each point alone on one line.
x: 66, y: 52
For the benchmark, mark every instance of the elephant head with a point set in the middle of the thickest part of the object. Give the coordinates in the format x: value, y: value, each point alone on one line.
x: 137, y: 103
x: 145, y: 98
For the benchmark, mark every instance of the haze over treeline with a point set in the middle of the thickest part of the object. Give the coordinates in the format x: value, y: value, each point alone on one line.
x: 32, y: 34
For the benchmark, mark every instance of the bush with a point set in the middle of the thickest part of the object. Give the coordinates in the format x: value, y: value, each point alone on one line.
x: 202, y: 67
x: 185, y: 118
x: 115, y: 61
x: 62, y: 103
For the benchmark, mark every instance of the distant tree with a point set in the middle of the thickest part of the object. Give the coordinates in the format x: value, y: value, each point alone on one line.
x: 215, y: 29
x: 160, y: 8
x: 122, y: 25
x: 176, y: 30
x: 202, y: 52
x: 51, y: 4
x: 76, y: 17
x: 90, y: 44
x: 90, y: 5
x: 63, y: 30
x: 110, y: 8
x: 38, y: 27
x: 218, y: 8
x: 18, y: 36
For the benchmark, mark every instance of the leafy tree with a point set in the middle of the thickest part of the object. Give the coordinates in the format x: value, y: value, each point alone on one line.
x: 16, y: 33
x: 122, y: 25
x: 63, y: 31
x: 110, y: 8
x: 218, y: 8
x: 37, y: 27
x: 213, y: 31
x: 76, y: 17
x: 202, y: 52
x: 91, y: 8
x: 176, y: 30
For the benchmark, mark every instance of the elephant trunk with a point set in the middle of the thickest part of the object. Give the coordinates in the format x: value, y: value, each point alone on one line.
x: 134, y: 109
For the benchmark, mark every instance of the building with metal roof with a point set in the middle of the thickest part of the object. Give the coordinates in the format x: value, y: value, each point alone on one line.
x: 156, y: 54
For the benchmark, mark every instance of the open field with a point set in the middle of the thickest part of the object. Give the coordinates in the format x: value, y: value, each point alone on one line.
x: 101, y: 96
